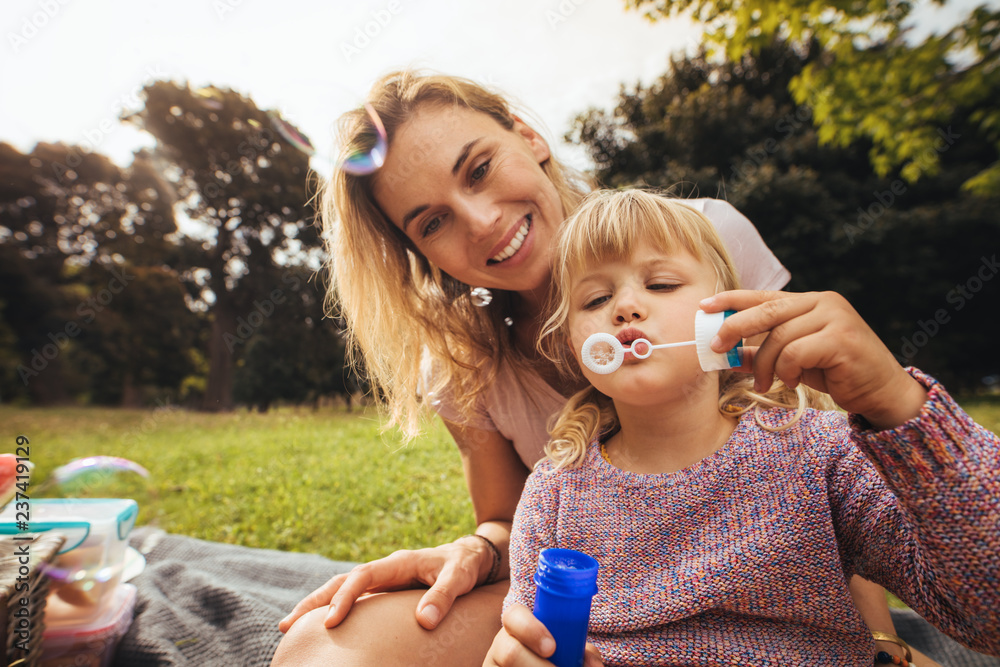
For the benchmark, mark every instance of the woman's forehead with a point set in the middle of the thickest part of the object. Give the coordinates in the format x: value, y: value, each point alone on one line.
x: 426, y: 153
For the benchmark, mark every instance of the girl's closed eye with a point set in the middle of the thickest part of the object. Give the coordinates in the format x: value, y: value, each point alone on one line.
x: 663, y: 286
x: 592, y: 303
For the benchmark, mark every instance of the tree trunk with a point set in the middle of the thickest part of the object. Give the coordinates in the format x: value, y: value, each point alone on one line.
x: 131, y: 397
x: 219, y: 392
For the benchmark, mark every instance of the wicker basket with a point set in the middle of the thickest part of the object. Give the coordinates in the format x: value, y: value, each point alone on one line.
x: 18, y: 650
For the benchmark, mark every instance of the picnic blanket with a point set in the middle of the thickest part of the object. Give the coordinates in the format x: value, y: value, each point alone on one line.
x: 207, y: 603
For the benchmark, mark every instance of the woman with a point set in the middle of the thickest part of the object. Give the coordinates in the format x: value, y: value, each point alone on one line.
x: 469, y: 197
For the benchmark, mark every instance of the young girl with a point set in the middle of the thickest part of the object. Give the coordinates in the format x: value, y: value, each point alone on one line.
x: 726, y: 518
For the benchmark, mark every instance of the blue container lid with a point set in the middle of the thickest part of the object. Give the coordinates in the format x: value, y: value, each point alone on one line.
x: 73, y: 517
x: 566, y: 572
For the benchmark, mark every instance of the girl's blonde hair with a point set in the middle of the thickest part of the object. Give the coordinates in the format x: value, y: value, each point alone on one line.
x: 396, y: 305
x: 608, y: 227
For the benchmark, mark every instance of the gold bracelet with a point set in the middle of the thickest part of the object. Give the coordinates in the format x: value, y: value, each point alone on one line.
x: 491, y: 578
x: 893, y: 639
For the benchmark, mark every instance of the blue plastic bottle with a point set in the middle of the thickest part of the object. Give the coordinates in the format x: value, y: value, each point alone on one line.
x: 565, y: 582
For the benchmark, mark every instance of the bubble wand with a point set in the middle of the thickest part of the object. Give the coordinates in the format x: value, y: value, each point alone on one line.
x: 602, y: 353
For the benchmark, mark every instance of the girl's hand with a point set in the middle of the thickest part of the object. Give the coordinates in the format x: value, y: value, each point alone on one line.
x: 525, y: 642
x: 818, y: 339
x: 450, y: 570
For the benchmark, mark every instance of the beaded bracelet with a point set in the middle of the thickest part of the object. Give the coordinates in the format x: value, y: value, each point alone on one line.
x: 491, y: 578
x: 883, y: 658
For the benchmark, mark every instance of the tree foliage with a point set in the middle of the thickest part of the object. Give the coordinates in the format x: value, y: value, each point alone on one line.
x: 900, y: 253
x: 871, y: 83
x: 247, y: 190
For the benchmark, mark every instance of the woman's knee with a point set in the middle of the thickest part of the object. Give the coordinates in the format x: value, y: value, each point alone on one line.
x: 382, y: 630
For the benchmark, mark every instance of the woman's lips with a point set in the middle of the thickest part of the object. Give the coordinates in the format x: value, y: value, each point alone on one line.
x: 512, y: 243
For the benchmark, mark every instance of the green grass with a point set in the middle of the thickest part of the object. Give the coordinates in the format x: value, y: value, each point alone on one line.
x: 324, y: 482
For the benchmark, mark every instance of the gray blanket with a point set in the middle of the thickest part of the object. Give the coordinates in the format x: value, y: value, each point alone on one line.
x: 205, y: 603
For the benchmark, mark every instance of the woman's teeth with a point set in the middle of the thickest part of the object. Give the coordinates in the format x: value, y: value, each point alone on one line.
x: 515, y: 243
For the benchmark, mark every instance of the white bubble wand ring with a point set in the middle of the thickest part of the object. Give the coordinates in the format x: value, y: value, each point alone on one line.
x: 602, y: 353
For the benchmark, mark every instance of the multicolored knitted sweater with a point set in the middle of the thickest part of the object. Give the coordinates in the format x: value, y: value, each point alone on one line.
x: 743, y: 558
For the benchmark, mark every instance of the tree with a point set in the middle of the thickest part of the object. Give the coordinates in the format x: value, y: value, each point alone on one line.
x: 246, y: 188
x: 870, y: 83
x: 74, y: 230
x: 899, y: 253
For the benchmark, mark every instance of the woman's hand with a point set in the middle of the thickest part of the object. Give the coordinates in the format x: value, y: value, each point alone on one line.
x: 818, y: 339
x: 525, y: 642
x: 450, y: 570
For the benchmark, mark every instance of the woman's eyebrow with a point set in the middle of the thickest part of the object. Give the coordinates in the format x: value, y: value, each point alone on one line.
x: 464, y: 155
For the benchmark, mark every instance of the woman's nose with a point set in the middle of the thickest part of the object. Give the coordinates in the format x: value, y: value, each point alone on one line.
x: 481, y: 217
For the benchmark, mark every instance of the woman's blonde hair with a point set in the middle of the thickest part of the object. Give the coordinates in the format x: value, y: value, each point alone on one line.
x: 607, y: 227
x: 397, y: 306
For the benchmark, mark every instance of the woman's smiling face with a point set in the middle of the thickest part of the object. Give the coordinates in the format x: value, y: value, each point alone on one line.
x: 472, y: 197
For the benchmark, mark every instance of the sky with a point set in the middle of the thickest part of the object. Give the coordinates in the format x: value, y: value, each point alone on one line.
x: 69, y: 67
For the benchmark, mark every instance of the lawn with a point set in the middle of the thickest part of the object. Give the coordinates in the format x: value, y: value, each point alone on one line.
x: 293, y: 479
x: 325, y: 482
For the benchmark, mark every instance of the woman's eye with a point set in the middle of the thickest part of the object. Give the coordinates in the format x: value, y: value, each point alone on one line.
x: 480, y: 171
x: 431, y: 227
x: 594, y: 303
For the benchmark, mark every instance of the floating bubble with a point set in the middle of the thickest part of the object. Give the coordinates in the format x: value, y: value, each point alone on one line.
x: 508, y: 321
x: 95, y: 467
x: 211, y: 98
x: 480, y: 296
x: 292, y: 135
x: 368, y: 155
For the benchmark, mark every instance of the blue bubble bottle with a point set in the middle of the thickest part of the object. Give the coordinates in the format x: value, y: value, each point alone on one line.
x: 565, y: 582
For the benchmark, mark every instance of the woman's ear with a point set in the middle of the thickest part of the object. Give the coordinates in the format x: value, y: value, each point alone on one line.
x: 539, y: 147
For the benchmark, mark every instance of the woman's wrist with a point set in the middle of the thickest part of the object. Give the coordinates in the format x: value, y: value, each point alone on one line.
x: 489, y: 570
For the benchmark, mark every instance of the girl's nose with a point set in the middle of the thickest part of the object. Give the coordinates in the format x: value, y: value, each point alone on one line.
x: 628, y: 307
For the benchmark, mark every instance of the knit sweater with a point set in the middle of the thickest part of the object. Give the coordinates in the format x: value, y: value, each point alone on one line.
x: 744, y: 557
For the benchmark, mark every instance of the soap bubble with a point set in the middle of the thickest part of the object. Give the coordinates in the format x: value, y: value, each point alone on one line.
x: 94, y: 468
x: 210, y: 98
x: 367, y: 156
x: 292, y: 135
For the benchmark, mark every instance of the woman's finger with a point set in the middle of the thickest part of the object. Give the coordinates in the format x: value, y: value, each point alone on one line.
x: 318, y: 598
x: 392, y: 573
x: 454, y: 580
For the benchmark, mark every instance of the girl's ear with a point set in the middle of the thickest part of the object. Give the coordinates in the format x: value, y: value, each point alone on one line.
x: 539, y: 147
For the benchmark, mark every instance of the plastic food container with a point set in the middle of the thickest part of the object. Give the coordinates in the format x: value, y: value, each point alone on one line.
x: 93, y: 643
x: 89, y: 566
